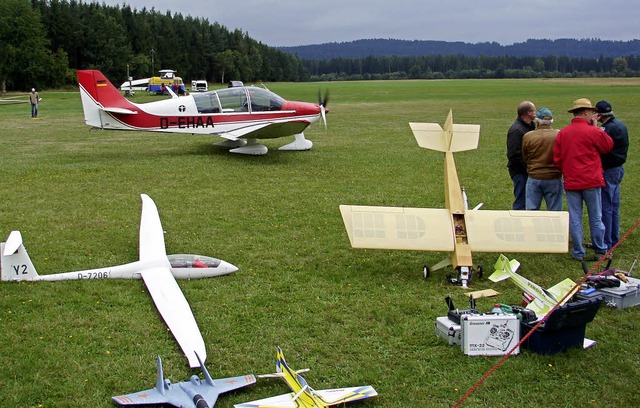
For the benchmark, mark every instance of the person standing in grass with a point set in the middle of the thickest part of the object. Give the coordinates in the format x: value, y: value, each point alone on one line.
x: 515, y: 164
x: 612, y: 164
x: 544, y: 178
x: 34, y: 99
x: 577, y: 153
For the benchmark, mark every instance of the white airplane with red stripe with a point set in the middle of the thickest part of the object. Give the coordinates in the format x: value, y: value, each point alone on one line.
x: 239, y: 114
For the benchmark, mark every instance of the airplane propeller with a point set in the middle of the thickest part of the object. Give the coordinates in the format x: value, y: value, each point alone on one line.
x: 322, y: 102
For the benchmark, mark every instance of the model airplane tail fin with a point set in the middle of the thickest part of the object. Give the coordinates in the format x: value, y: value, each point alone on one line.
x: 99, y: 96
x: 205, y: 373
x: 504, y: 268
x: 160, y: 378
x: 16, y: 264
x: 453, y: 138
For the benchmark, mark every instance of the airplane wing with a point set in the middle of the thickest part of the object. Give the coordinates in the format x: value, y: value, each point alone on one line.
x: 163, y: 288
x: 518, y: 231
x: 175, y: 311
x: 152, y: 396
x: 151, y: 233
x: 279, y: 401
x: 342, y: 395
x: 266, y: 130
x: 425, y: 229
x: 232, y: 383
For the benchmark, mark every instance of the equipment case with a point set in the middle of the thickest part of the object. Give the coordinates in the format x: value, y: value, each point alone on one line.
x: 449, y: 330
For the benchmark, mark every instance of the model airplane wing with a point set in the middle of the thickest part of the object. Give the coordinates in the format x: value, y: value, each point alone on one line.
x: 232, y: 383
x: 517, y: 231
x: 163, y: 288
x: 398, y: 228
x: 150, y: 397
x: 331, y: 397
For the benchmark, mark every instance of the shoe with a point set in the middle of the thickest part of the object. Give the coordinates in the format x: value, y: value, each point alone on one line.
x: 600, y: 256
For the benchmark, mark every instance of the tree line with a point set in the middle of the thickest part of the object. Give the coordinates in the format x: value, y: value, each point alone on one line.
x: 469, y: 67
x: 43, y: 42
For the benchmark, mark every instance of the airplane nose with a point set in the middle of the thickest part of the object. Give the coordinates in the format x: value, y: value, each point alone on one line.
x: 225, y: 267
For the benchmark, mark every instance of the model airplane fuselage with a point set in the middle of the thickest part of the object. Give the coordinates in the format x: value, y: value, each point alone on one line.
x: 302, y: 395
x: 154, y: 266
x: 195, y: 393
x: 544, y: 299
x: 241, y: 114
x: 455, y: 228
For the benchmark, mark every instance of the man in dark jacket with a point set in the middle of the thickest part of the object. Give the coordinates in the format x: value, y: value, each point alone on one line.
x: 613, y: 171
x: 515, y: 164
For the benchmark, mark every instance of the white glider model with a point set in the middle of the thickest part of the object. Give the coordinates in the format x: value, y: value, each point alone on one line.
x: 154, y: 267
x: 454, y: 229
x: 544, y: 299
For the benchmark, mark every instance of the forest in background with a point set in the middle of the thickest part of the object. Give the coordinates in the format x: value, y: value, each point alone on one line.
x: 43, y: 43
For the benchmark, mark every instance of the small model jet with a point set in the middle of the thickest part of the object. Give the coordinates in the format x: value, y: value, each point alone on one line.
x: 543, y: 299
x: 302, y: 394
x: 154, y: 267
x: 240, y: 114
x: 196, y: 393
x: 454, y: 229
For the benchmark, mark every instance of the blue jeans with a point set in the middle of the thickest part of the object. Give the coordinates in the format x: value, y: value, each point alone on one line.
x: 34, y: 110
x: 551, y: 190
x: 519, y: 190
x: 611, y: 205
x: 592, y: 199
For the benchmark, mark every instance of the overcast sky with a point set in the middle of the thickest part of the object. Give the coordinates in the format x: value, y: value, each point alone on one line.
x: 304, y: 22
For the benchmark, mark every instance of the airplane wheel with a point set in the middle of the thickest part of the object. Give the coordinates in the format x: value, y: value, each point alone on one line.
x: 480, y: 271
x: 426, y: 271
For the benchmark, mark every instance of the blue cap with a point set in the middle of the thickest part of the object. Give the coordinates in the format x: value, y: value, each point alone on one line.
x: 544, y: 113
x: 603, y: 107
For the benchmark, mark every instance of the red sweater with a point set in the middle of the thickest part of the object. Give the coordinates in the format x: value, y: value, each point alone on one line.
x: 577, y: 154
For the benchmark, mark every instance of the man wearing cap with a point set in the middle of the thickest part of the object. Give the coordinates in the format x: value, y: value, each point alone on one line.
x: 577, y: 153
x: 613, y: 171
x: 515, y: 164
x: 33, y: 99
x: 544, y: 178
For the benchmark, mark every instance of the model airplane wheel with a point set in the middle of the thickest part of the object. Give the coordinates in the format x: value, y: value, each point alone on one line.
x: 426, y: 271
x: 480, y: 271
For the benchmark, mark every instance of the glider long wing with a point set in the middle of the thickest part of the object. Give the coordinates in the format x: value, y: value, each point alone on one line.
x: 163, y: 288
x: 424, y: 229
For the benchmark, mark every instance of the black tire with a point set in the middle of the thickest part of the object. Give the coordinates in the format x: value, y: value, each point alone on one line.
x: 479, y: 271
x: 426, y: 272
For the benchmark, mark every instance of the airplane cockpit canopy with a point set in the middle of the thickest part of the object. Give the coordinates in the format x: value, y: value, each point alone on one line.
x: 238, y: 99
x: 192, y: 261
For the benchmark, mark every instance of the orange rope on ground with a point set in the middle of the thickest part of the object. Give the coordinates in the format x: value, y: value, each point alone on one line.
x: 503, y: 359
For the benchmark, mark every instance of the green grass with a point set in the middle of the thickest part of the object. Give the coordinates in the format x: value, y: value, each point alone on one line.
x: 353, y: 316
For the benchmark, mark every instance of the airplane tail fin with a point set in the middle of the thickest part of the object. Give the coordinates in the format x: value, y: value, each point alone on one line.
x: 99, y: 97
x: 453, y: 138
x: 504, y: 268
x: 160, y: 378
x: 16, y: 264
x: 205, y: 373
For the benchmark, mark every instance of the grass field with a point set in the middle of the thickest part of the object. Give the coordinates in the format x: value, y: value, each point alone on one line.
x: 354, y: 317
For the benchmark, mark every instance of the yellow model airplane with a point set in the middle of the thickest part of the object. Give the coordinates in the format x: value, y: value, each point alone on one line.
x: 303, y: 396
x: 543, y: 299
x: 454, y: 229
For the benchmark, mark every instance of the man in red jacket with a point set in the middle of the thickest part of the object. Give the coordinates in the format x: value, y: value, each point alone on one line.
x: 577, y: 154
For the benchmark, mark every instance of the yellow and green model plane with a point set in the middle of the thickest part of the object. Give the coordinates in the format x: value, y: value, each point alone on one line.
x: 302, y: 395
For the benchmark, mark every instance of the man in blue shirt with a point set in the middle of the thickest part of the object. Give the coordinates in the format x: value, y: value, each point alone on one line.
x: 612, y: 164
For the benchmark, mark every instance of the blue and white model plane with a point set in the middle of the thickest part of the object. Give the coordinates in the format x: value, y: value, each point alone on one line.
x: 196, y: 393
x: 157, y: 269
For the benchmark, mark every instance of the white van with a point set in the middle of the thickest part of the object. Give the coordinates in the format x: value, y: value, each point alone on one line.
x: 199, y: 85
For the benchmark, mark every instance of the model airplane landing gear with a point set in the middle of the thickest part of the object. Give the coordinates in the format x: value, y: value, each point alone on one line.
x: 464, y: 275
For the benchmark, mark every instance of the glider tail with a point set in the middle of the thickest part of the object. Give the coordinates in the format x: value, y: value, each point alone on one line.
x: 160, y: 378
x: 453, y: 138
x: 16, y: 264
x: 99, y: 96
